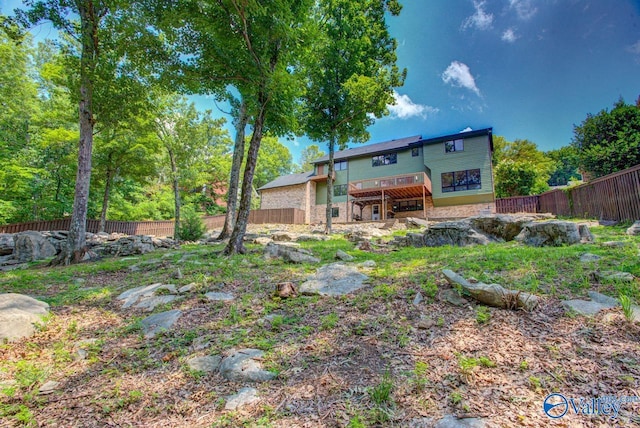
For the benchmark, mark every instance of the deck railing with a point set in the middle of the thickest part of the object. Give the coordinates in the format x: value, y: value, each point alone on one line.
x: 404, y: 180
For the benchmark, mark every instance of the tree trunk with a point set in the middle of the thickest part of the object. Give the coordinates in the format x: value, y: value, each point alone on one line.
x: 176, y: 194
x: 75, y: 248
x: 105, y: 198
x: 235, y: 245
x: 327, y: 229
x: 234, y: 178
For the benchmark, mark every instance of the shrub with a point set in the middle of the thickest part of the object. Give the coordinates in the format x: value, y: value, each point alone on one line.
x: 191, y: 225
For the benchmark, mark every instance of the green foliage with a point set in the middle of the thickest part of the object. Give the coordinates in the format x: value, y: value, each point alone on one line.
x: 567, y: 163
x: 381, y: 393
x: 520, y: 168
x: 307, y: 156
x: 275, y: 160
x: 610, y: 140
x: 191, y: 225
x: 627, y: 309
x: 483, y: 315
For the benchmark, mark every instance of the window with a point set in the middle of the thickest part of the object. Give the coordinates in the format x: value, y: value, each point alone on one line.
x: 404, y: 206
x: 387, y: 159
x: 340, y: 165
x: 339, y: 190
x: 415, y: 152
x: 453, y: 146
x: 335, y: 212
x: 461, y: 180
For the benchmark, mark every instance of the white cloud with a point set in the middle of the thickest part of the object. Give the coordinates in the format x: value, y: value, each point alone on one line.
x: 524, y: 8
x: 480, y: 19
x: 467, y: 129
x: 458, y: 74
x: 404, y: 108
x: 635, y: 48
x: 509, y: 35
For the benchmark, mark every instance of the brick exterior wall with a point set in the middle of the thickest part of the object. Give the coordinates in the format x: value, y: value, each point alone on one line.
x: 319, y: 213
x: 284, y: 197
x: 461, y: 211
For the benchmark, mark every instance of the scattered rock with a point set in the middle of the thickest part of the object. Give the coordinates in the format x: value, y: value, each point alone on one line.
x: 613, y: 244
x: 413, y: 222
x: 156, y: 323
x: 584, y: 307
x: 553, y: 233
x: 494, y: 294
x: 147, y: 297
x: 245, y: 365
x: 243, y: 398
x: 262, y: 240
x: 605, y: 300
x: 425, y: 323
x: 586, y: 237
x: 418, y: 299
x: 18, y: 313
x: 634, y: 230
x: 311, y: 237
x: 31, y: 245
x: 289, y: 254
x: 204, y: 364
x: 451, y: 421
x: 334, y: 280
x: 589, y: 258
x: 285, y: 290
x: 341, y: 255
x: 48, y: 387
x: 187, y: 288
x: 500, y: 226
x: 127, y: 246
x: 364, y: 246
x: 451, y: 296
x: 283, y: 236
x: 368, y: 264
x: 614, y: 276
x: 177, y: 274
x: 216, y: 296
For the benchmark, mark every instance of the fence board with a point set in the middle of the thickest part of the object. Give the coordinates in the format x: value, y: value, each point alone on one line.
x: 612, y: 197
x: 158, y: 228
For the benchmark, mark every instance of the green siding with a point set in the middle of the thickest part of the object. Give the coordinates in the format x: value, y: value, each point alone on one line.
x: 361, y: 168
x: 476, y: 154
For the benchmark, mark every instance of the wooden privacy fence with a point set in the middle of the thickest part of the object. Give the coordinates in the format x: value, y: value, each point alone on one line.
x: 517, y: 204
x: 612, y: 197
x: 158, y: 228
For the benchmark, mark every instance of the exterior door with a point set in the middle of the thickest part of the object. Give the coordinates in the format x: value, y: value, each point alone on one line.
x: 375, y: 212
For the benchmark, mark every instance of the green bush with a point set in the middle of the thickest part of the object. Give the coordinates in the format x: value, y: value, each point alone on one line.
x: 191, y: 225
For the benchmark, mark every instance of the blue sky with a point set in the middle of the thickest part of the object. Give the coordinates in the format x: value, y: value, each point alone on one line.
x: 530, y: 69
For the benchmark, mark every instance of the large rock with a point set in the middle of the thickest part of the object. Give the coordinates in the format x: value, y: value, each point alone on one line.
x: 552, y: 233
x: 500, y: 226
x: 494, y: 294
x: 334, y: 280
x: 6, y: 244
x: 245, y: 365
x: 243, y: 398
x: 289, y: 254
x: 31, y: 245
x: 456, y: 233
x: 127, y: 246
x: 634, y: 230
x: 157, y: 323
x: 18, y: 313
x: 414, y: 222
x: 149, y: 296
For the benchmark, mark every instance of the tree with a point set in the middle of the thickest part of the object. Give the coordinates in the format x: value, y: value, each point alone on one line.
x: 189, y: 139
x: 309, y: 154
x: 567, y: 164
x: 520, y: 168
x: 275, y: 160
x: 87, y: 34
x: 609, y: 141
x: 351, y: 75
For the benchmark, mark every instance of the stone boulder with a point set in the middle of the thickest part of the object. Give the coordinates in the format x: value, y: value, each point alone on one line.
x: 500, y: 226
x: 6, y: 244
x: 127, y: 246
x: 456, y: 233
x: 552, y: 233
x: 634, y: 230
x: 289, y: 254
x: 31, y: 245
x: 18, y: 314
x: 245, y: 365
x: 157, y: 323
x: 494, y: 294
x: 334, y: 280
x: 416, y: 223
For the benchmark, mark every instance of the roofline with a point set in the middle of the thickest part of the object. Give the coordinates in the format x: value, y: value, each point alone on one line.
x: 372, y: 153
x: 456, y: 136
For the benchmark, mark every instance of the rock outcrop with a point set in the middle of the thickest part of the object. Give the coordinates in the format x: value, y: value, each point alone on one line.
x: 18, y: 314
x: 31, y: 245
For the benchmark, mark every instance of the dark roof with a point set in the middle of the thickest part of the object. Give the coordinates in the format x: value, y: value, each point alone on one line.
x: 288, y: 180
x: 466, y: 134
x: 371, y: 149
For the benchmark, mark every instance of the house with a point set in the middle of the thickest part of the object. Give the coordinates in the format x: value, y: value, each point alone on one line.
x: 442, y: 177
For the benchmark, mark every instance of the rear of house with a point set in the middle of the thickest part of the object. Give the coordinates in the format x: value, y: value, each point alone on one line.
x: 442, y: 177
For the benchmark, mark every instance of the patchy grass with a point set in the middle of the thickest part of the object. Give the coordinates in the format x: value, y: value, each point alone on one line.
x: 356, y: 361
